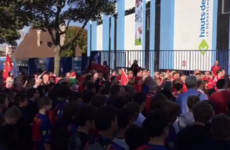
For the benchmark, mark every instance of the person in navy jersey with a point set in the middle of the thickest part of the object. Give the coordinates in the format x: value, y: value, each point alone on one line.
x: 156, y: 126
x: 220, y: 127
x: 124, y: 119
x: 62, y: 92
x: 215, y: 68
x: 41, y: 126
x: 197, y: 134
x: 22, y: 125
x: 85, y: 124
x: 135, y: 137
x: 8, y: 130
x: 106, y: 123
x: 32, y: 108
x: 64, y: 128
x: 172, y: 109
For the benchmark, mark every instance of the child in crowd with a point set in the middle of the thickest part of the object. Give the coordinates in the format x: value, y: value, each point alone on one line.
x: 135, y: 137
x: 187, y: 119
x: 195, y: 135
x: 106, y: 123
x: 84, y: 123
x: 172, y: 110
x: 178, y: 89
x: 140, y: 98
x: 156, y: 126
x: 41, y: 125
x: 124, y: 120
x: 8, y: 132
x: 3, y: 103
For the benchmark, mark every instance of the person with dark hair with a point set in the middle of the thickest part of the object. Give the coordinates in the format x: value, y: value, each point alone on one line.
x: 106, y: 123
x: 124, y: 120
x: 178, y: 89
x: 220, y: 126
x: 8, y: 132
x: 157, y: 101
x: 172, y: 110
x: 139, y: 98
x: 168, y: 94
x: 187, y: 119
x: 119, y: 102
x: 41, y: 125
x: 63, y: 93
x: 105, y: 90
x: 133, y: 109
x: 98, y: 101
x: 135, y: 137
x: 221, y: 97
x: 197, y: 134
x: 32, y: 108
x: 87, y: 95
x: 84, y: 124
x: 113, y: 80
x: 75, y: 97
x: 91, y: 86
x: 64, y: 128
x: 156, y: 126
x: 4, y: 102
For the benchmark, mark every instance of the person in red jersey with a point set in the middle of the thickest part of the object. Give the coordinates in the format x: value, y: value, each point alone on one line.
x: 156, y: 126
x: 218, y: 77
x: 41, y: 126
x: 206, y: 75
x: 176, y: 75
x: 221, y: 97
x: 215, y: 68
x: 130, y: 75
x: 138, y: 84
x: 183, y: 77
x: 179, y: 89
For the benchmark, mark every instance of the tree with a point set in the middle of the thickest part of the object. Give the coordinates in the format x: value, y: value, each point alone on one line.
x: 81, y: 42
x: 12, y: 19
x: 49, y: 15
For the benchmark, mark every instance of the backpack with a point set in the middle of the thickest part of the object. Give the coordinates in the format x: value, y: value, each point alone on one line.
x: 75, y: 142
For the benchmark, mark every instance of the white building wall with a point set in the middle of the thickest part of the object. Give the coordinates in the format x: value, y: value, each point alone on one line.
x: 130, y: 41
x: 99, y: 37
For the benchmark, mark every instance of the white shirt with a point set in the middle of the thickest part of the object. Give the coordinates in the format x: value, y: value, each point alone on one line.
x: 139, y: 120
x: 121, y: 142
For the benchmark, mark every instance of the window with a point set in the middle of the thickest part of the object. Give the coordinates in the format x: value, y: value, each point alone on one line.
x: 225, y: 6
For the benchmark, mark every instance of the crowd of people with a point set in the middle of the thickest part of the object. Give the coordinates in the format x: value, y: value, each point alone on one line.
x: 169, y: 111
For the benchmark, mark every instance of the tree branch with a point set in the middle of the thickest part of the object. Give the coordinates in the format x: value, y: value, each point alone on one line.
x: 47, y: 26
x: 77, y: 36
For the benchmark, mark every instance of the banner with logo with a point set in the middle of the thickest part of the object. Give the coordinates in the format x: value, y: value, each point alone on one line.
x: 138, y: 22
x: 193, y: 27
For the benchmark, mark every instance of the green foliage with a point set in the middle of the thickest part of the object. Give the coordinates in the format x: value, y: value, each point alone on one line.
x: 12, y: 19
x: 81, y: 42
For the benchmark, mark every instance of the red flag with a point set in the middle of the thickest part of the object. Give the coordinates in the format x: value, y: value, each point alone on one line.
x: 124, y: 78
x: 7, y: 68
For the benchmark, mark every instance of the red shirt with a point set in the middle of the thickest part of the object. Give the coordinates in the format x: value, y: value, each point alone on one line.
x: 220, y: 100
x: 215, y: 69
x: 184, y: 87
x: 137, y: 87
x: 210, y: 82
x: 148, y: 100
